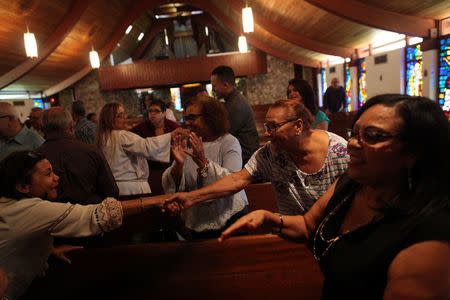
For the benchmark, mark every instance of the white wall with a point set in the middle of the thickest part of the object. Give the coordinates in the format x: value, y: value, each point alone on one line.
x: 22, y: 110
x: 430, y: 70
x: 387, y: 77
x: 339, y: 73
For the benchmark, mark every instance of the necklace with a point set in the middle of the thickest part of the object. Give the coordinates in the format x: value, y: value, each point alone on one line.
x: 319, y: 232
x: 331, y: 241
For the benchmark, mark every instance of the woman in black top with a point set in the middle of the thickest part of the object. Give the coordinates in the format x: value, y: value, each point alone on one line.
x: 382, y: 230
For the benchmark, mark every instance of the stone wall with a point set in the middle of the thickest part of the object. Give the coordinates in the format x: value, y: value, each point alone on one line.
x: 261, y: 89
x: 267, y: 88
x: 88, y: 91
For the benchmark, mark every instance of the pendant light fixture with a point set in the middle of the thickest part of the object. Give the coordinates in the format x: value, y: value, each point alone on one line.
x: 30, y: 44
x: 242, y: 43
x: 247, y: 19
x: 95, y: 60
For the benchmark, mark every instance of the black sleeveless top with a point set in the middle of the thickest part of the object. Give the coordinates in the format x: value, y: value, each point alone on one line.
x: 355, y: 264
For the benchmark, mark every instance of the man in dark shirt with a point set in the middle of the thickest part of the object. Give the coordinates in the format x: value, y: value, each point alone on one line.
x: 334, y: 99
x: 84, y: 174
x: 240, y: 113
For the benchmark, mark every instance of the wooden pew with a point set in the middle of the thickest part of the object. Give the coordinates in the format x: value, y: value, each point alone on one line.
x: 250, y: 267
x: 261, y: 196
x: 341, y: 123
x: 259, y: 112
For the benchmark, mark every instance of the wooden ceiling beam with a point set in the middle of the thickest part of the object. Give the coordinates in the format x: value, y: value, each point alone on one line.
x: 291, y: 37
x: 70, y: 19
x: 156, y: 27
x: 372, y: 16
x: 213, y: 10
x: 136, y: 9
x: 140, y: 6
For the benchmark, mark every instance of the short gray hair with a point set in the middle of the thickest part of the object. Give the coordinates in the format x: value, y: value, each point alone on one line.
x: 56, y: 119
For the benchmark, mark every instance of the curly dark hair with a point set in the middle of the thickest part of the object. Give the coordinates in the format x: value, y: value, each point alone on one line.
x: 214, y: 114
x: 17, y: 168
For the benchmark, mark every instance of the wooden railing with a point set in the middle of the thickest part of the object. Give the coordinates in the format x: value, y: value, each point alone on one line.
x: 251, y: 267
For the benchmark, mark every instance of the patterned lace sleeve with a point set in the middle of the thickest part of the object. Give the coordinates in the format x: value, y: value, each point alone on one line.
x: 109, y: 214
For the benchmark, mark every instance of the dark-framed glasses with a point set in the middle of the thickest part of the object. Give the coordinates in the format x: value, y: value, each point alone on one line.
x: 270, y: 127
x: 155, y: 111
x: 370, y: 136
x: 191, y: 117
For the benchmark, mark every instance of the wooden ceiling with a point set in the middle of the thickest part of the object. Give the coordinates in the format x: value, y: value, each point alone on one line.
x: 303, y: 32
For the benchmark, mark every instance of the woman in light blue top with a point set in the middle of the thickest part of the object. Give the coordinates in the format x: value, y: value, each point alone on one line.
x: 299, y: 89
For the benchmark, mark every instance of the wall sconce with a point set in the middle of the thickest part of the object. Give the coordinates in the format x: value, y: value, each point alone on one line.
x: 242, y: 43
x: 95, y: 60
x: 247, y: 19
x: 30, y: 44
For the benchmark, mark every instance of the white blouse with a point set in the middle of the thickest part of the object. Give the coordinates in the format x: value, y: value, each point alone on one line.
x: 127, y: 155
x: 27, y: 228
x: 224, y: 155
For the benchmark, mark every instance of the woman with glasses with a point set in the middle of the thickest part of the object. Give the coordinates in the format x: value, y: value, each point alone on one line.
x: 212, y: 153
x: 383, y: 230
x: 28, y: 222
x: 126, y: 152
x: 300, y: 162
x: 300, y: 90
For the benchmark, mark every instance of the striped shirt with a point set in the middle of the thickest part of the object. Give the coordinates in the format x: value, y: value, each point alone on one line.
x: 297, y: 191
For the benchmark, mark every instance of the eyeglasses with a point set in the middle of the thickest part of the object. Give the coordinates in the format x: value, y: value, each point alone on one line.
x: 121, y: 115
x: 270, y: 127
x: 156, y: 111
x: 370, y: 136
x: 191, y: 117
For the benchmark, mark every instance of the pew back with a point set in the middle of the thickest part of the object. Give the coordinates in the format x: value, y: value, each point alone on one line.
x: 248, y: 267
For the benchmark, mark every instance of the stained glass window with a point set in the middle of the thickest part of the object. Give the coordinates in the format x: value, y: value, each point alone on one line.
x: 176, y: 98
x: 362, y: 82
x: 414, y: 71
x: 323, y: 73
x: 444, y: 74
x: 348, y: 87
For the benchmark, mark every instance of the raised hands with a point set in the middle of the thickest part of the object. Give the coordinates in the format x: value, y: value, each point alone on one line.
x: 198, y: 153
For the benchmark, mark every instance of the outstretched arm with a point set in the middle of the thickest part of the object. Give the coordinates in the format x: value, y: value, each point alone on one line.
x: 223, y: 187
x: 293, y: 227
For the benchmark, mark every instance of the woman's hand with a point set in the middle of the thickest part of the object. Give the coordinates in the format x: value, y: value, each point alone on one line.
x: 179, y: 150
x: 198, y: 153
x: 253, y: 220
x: 178, y: 202
x: 60, y: 252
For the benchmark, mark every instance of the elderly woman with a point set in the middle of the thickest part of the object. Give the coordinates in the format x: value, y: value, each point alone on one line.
x: 383, y: 230
x: 213, y: 154
x: 28, y: 223
x: 300, y: 162
x: 126, y: 152
x: 299, y: 89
